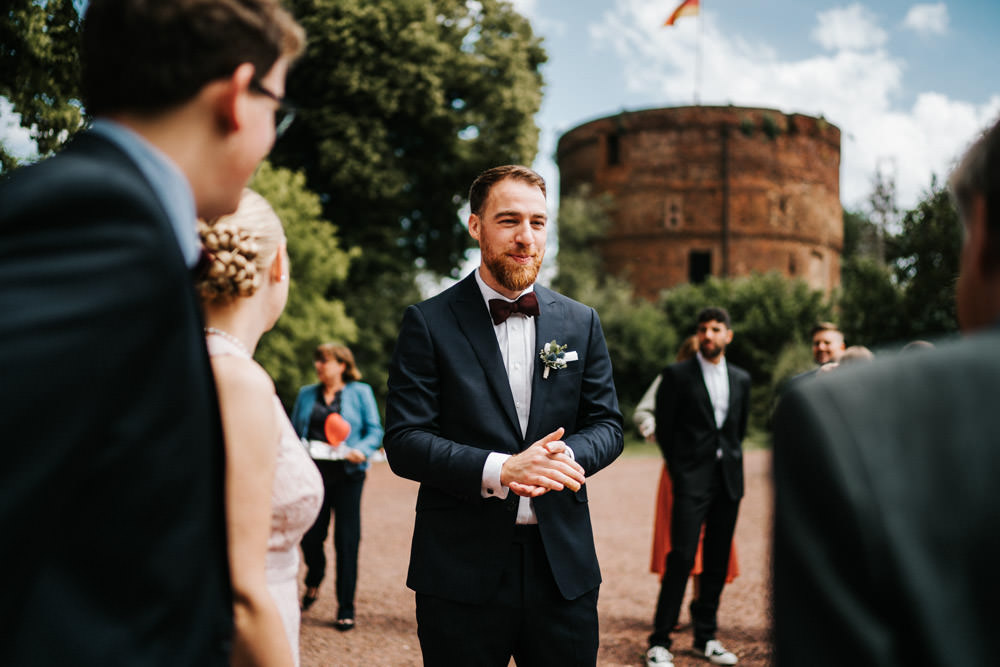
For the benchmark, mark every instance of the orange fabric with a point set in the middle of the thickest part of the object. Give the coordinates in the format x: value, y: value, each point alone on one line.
x: 661, y: 533
x: 686, y: 8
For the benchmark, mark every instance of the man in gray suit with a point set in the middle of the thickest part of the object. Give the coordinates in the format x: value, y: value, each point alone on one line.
x: 886, y: 523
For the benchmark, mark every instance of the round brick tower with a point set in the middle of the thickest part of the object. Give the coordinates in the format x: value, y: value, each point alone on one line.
x: 722, y: 191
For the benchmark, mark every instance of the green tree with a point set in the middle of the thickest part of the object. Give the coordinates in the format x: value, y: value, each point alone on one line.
x: 40, y: 65
x: 770, y: 314
x: 401, y: 105
x: 318, y: 265
x: 925, y: 257
x: 870, y: 303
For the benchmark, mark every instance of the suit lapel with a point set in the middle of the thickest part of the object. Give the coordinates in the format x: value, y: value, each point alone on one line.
x: 474, y: 321
x: 547, y: 327
x: 701, y: 391
x: 733, y: 392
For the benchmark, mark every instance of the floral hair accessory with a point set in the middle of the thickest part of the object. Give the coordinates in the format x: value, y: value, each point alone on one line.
x: 553, y: 355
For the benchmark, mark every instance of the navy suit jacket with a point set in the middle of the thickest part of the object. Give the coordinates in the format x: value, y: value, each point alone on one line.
x: 687, y: 433
x: 113, y: 547
x: 450, y: 405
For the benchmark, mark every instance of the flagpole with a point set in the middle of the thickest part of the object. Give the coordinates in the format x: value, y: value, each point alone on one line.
x: 697, y: 54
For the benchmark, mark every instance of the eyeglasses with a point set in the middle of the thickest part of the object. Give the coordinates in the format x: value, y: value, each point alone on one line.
x: 283, y: 115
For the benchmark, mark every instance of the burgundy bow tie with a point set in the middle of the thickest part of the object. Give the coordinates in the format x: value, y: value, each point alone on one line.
x: 501, y: 309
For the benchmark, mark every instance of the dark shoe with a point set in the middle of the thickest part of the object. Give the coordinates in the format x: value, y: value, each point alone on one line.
x: 312, y: 594
x: 344, y: 624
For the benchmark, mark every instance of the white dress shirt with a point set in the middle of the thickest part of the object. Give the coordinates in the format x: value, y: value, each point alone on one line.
x: 717, y: 382
x: 516, y: 338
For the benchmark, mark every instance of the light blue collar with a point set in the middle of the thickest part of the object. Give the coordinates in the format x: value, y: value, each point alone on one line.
x: 167, y: 180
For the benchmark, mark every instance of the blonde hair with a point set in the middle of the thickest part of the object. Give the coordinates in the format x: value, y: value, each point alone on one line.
x: 239, y: 249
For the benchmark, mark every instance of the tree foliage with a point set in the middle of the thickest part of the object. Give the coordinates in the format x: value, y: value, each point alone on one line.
x: 40, y: 66
x: 925, y: 257
x: 401, y: 105
x: 912, y: 294
x: 318, y: 265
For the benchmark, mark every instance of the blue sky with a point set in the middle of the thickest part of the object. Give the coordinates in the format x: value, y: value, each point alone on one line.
x: 909, y: 84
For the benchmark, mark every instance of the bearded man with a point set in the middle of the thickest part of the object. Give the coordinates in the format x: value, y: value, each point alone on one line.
x: 501, y: 404
x: 701, y: 418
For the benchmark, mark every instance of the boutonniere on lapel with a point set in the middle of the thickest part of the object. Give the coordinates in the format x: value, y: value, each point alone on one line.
x: 555, y: 356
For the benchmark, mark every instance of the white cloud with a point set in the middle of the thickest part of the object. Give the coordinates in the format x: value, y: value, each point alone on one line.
x: 15, y: 139
x: 849, y: 28
x: 852, y: 87
x: 927, y: 19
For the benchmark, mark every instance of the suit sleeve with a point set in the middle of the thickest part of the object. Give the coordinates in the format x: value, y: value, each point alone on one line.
x: 598, y: 437
x: 666, y: 406
x: 824, y: 592
x: 413, y: 444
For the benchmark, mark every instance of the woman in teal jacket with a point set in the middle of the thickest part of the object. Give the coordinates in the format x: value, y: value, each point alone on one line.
x: 342, y: 465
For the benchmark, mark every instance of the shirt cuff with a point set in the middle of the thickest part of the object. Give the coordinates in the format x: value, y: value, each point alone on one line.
x: 491, y: 487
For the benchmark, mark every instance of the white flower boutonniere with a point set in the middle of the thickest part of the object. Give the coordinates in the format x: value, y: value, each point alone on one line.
x: 553, y: 355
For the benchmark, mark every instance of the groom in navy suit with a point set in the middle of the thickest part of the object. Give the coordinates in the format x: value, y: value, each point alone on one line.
x: 502, y: 441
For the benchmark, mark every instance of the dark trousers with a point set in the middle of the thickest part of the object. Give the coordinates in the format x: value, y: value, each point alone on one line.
x: 717, y: 511
x: 342, y: 496
x: 528, y: 619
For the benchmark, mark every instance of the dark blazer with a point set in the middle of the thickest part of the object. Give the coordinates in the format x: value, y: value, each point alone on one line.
x: 886, y: 519
x: 111, y: 483
x: 450, y: 405
x: 686, y: 430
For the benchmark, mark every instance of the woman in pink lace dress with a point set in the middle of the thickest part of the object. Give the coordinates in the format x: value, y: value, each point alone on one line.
x: 244, y: 287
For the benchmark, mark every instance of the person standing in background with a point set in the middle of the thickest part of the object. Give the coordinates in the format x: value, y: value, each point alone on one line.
x: 341, y: 397
x: 645, y: 420
x: 112, y: 485
x: 702, y: 407
x: 244, y: 288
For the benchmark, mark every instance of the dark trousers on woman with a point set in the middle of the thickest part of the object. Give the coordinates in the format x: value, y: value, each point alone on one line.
x: 717, y: 511
x: 343, y: 497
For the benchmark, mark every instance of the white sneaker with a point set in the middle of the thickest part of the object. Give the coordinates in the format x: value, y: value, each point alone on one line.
x: 659, y: 656
x: 716, y: 653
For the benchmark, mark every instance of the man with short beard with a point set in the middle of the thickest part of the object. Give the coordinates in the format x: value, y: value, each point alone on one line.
x: 501, y: 404
x: 701, y: 417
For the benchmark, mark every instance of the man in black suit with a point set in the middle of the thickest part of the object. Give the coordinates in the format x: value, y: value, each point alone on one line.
x: 702, y: 407
x: 111, y: 486
x: 501, y: 441
x: 886, y: 542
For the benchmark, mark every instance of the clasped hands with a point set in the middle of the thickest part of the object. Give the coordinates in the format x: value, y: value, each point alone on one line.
x: 544, y: 466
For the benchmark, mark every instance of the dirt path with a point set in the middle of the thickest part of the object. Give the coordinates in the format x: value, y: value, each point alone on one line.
x: 621, y: 503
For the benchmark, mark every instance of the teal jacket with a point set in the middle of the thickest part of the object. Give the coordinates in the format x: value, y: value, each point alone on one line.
x: 357, y: 407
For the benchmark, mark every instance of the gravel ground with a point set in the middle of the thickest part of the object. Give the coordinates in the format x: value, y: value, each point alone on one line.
x: 621, y: 505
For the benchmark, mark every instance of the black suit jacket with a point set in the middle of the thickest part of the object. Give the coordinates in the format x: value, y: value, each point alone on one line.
x: 686, y: 430
x: 886, y: 519
x: 450, y: 405
x: 111, y: 481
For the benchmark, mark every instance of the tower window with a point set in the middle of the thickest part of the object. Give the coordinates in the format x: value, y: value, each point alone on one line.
x: 699, y: 266
x: 614, y: 150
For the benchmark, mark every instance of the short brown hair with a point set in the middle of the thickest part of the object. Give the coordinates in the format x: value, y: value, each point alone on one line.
x: 480, y: 190
x: 151, y: 55
x: 979, y: 174
x: 331, y: 351
x: 824, y: 326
